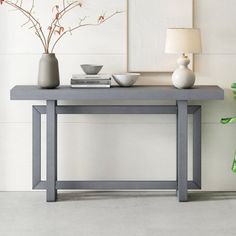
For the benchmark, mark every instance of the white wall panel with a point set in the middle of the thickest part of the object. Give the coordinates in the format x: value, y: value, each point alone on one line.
x: 217, y: 22
x: 116, y: 151
x: 15, y: 157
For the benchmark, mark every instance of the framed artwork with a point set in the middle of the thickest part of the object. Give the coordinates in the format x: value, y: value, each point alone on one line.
x: 148, y: 21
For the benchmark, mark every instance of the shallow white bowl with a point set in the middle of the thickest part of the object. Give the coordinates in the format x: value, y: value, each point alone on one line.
x: 90, y: 69
x: 127, y: 79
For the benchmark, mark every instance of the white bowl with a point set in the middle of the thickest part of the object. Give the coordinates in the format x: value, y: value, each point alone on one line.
x: 127, y: 79
x: 90, y: 69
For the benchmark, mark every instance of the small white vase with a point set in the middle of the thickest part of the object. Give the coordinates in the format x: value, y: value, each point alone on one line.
x: 183, y: 77
x: 48, y: 76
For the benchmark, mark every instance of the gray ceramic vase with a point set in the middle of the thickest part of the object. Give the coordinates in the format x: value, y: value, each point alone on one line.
x: 48, y: 76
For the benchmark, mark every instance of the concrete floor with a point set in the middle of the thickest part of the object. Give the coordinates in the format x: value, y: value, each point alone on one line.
x: 117, y: 214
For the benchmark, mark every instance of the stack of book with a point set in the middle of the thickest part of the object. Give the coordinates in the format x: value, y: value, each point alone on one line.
x: 91, y: 81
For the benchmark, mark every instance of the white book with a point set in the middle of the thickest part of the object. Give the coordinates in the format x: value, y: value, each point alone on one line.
x: 99, y: 76
x: 90, y: 86
x: 90, y: 82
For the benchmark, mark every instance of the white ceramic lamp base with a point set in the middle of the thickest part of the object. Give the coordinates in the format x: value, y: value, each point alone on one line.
x: 183, y: 77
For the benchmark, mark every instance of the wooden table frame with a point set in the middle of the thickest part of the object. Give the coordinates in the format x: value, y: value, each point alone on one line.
x: 111, y: 185
x: 181, y: 110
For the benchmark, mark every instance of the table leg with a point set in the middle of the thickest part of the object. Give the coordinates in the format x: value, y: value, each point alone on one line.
x: 197, y: 147
x: 177, y: 150
x: 182, y: 142
x: 51, y: 151
x: 36, y: 170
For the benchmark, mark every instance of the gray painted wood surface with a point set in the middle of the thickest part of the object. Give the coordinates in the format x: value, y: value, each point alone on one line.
x: 22, y: 92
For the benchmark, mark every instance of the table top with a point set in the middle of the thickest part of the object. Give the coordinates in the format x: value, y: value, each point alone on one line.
x: 31, y: 92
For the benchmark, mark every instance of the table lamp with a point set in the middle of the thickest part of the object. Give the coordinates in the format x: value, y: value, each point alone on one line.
x: 183, y: 41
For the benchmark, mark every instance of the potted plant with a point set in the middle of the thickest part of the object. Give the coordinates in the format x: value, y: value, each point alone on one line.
x: 48, y: 76
x: 229, y: 120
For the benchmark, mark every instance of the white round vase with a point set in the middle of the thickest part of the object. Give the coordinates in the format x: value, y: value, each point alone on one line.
x: 183, y: 77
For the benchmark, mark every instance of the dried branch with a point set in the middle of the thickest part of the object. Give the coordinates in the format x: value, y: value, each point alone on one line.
x: 55, y: 25
x: 101, y: 20
x: 59, y: 16
x: 30, y: 11
x: 31, y: 18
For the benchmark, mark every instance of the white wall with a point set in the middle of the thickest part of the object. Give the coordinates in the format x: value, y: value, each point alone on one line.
x: 108, y: 146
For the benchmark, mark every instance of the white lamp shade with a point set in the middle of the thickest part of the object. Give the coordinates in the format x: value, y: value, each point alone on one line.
x: 183, y: 40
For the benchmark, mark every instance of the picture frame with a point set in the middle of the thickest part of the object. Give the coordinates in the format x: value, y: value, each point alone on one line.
x: 147, y: 25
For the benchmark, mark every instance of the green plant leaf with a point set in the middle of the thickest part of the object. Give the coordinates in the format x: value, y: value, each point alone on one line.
x: 233, y: 86
x: 228, y: 120
x: 234, y: 164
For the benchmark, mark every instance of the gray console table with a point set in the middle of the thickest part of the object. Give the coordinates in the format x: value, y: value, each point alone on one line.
x: 137, y: 93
